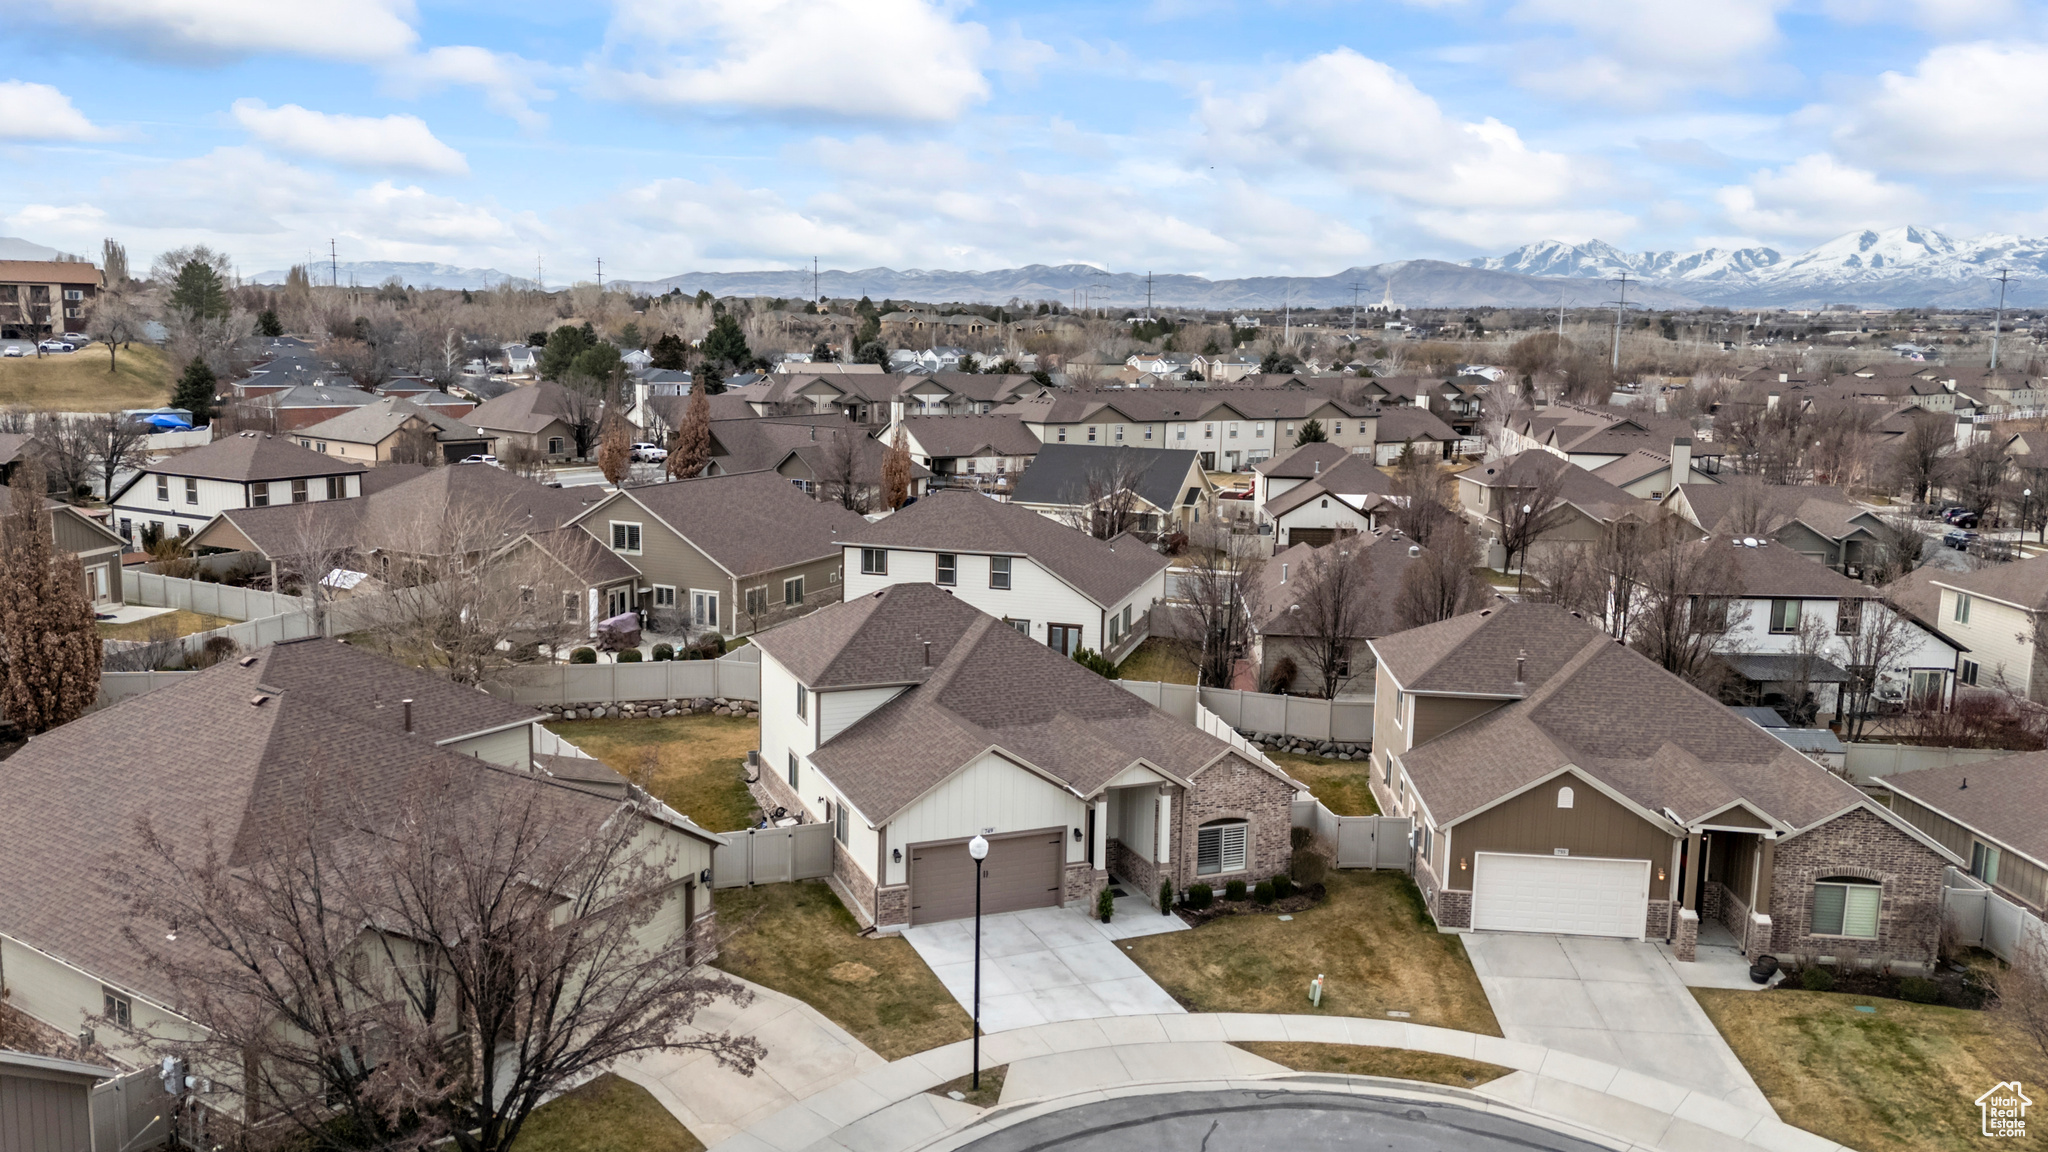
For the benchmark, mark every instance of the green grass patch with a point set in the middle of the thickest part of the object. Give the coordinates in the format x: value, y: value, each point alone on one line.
x: 1156, y: 659
x: 1344, y: 786
x: 179, y: 622
x: 609, y: 1114
x: 1359, y: 1060
x: 987, y: 1095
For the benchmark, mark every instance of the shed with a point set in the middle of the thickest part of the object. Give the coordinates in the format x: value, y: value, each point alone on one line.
x: 46, y: 1103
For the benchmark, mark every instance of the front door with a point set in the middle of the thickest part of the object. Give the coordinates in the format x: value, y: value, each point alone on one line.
x: 1064, y: 639
x: 704, y: 609
x: 98, y: 576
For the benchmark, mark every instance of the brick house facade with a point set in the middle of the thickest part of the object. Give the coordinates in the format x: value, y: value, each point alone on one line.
x: 1861, y: 845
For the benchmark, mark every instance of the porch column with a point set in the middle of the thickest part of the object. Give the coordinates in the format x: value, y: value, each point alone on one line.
x: 1101, y: 861
x: 1692, y: 869
x: 1165, y: 826
x: 1760, y: 894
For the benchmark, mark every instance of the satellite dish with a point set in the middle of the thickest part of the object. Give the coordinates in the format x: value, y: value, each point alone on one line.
x: 1749, y: 541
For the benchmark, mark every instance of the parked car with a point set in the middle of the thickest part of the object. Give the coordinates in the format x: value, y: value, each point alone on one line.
x: 1965, y: 520
x: 649, y: 453
x: 481, y: 458
x: 57, y: 346
x: 1959, y: 539
x: 79, y: 339
x: 1956, y: 515
x: 13, y: 350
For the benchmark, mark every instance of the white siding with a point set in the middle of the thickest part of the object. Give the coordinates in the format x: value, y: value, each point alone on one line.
x: 512, y: 748
x: 1034, y: 594
x: 991, y: 794
x: 838, y: 711
x: 782, y: 730
x: 1132, y: 814
x: 63, y: 996
x: 1997, y: 638
x: 139, y: 502
x: 1921, y: 650
x: 1323, y: 512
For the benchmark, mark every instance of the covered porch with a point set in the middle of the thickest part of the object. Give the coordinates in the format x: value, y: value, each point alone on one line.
x: 1736, y: 851
x: 1130, y: 832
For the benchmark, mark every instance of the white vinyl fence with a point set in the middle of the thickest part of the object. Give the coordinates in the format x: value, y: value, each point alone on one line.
x: 118, y: 686
x: 772, y: 855
x: 1361, y: 841
x: 154, y: 591
x: 1879, y: 760
x: 130, y: 1112
x: 573, y: 685
x: 1346, y: 720
x: 1984, y: 919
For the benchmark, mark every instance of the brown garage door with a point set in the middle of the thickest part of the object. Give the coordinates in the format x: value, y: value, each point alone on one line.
x: 1022, y: 871
x: 1316, y: 537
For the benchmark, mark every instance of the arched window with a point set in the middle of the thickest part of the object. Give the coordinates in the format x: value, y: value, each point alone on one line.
x: 1220, y: 847
x: 1564, y: 796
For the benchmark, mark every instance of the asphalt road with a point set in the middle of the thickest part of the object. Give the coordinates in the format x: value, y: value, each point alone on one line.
x: 1247, y: 1121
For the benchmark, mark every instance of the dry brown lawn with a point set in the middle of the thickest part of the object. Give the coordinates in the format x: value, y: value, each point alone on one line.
x: 1357, y: 1060
x: 79, y: 381
x: 987, y: 1095
x: 1156, y: 660
x: 180, y: 621
x: 1343, y: 786
x: 609, y: 1114
x: 1370, y: 940
x: 695, y: 764
x: 1903, y: 1077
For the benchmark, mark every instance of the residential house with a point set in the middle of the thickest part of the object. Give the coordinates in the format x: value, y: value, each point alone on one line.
x: 957, y: 393
x: 1284, y: 642
x: 255, y: 737
x: 1055, y: 584
x: 180, y: 494
x: 1347, y: 497
x: 1995, y: 614
x: 1562, y: 783
x: 1399, y: 429
x: 1231, y: 428
x: 394, y: 429
x: 731, y: 554
x: 1226, y: 367
x: 1992, y: 813
x: 1819, y: 523
x: 1166, y: 491
x: 1591, y: 436
x: 819, y: 454
x: 39, y: 298
x: 1652, y: 474
x: 48, y: 1102
x: 864, y: 396
x: 908, y: 721
x: 14, y: 447
x: 968, y: 451
x: 522, y: 360
x: 76, y: 533
x: 1580, y: 513
x: 541, y: 417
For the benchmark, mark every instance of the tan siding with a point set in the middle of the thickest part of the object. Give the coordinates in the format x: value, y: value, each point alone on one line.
x: 666, y: 558
x: 1739, y: 818
x: 1436, y: 715
x: 2023, y: 879
x: 75, y: 533
x: 1532, y: 823
x: 822, y: 587
x: 1944, y: 831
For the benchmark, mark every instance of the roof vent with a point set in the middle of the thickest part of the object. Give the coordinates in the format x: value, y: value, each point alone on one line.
x: 259, y: 700
x: 1965, y: 783
x: 927, y: 653
x: 408, y: 712
x: 246, y: 661
x: 1521, y: 664
x: 1414, y: 550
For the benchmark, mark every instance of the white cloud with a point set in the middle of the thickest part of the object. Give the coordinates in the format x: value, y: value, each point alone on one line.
x: 40, y: 112
x: 1817, y: 197
x: 355, y: 141
x: 1644, y: 50
x: 1966, y: 109
x: 1939, y: 15
x: 329, y: 29
x: 508, y: 82
x: 880, y: 59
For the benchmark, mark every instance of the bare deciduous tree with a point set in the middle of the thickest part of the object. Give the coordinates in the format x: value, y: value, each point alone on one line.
x: 1527, y: 511
x: 1422, y: 497
x: 1441, y: 583
x: 896, y: 471
x: 1877, y: 642
x: 841, y: 473
x: 1754, y: 509
x: 1219, y: 595
x: 66, y: 447
x: 1920, y: 457
x: 1331, y: 610
x: 1104, y: 502
x: 394, y: 966
x: 1898, y: 548
x: 118, y: 445
x: 1686, y: 611
x: 2022, y: 988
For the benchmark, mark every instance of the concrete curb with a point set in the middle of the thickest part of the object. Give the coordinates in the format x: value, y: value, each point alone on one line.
x: 888, y: 1109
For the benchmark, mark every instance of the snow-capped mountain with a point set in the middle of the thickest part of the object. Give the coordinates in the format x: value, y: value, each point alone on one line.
x: 1905, y: 266
x: 417, y: 274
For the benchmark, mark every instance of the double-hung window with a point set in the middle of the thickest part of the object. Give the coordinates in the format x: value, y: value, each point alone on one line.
x: 1220, y: 847
x: 1962, y: 608
x: 792, y: 591
x: 298, y: 491
x: 119, y: 1011
x: 664, y: 596
x: 191, y: 490
x: 259, y: 494
x: 625, y: 536
x: 803, y: 702
x: 1845, y: 906
x: 163, y: 489
x: 792, y: 770
x: 1848, y: 616
x: 336, y: 485
x: 999, y: 571
x: 757, y: 601
x: 948, y: 572
x: 874, y: 561
x: 1784, y: 617
x: 839, y: 821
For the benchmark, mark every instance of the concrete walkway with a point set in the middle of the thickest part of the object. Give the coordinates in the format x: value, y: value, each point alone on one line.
x: 1058, y: 1066
x: 806, y: 1055
x: 1616, y: 1001
x: 1046, y: 965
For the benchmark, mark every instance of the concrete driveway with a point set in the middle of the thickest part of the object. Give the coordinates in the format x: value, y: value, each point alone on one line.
x: 1616, y: 1001
x: 1046, y: 965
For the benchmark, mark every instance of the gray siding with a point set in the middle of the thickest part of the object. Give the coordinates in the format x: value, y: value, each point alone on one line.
x: 1533, y: 824
x: 667, y: 558
x: 1436, y: 715
x: 39, y: 1114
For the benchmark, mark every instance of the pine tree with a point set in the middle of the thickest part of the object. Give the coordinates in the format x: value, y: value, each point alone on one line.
x: 199, y: 293
x: 692, y: 449
x: 896, y: 472
x: 267, y: 324
x: 48, y: 641
x: 195, y: 391
x: 1312, y: 433
x: 670, y: 352
x: 727, y: 343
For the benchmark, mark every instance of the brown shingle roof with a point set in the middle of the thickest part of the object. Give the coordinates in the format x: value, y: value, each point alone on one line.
x: 1580, y: 488
x: 2006, y: 799
x: 528, y: 408
x: 1772, y: 570
x: 959, y: 521
x: 252, y: 456
x: 1303, y: 462
x: 2022, y: 582
x: 1825, y: 510
x: 749, y: 522
x: 968, y: 435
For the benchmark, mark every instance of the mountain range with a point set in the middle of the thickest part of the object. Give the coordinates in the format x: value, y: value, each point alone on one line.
x: 416, y: 274
x: 1907, y: 266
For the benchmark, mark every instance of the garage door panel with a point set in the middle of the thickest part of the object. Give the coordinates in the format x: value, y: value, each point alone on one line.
x: 1022, y: 871
x: 1572, y: 895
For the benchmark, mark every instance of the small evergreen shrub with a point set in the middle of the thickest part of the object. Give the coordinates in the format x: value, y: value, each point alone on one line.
x: 1234, y: 890
x: 583, y: 656
x: 1308, y: 867
x: 1105, y: 905
x: 630, y: 656
x: 1282, y: 887
x: 1299, y: 839
x: 1815, y: 978
x: 664, y: 651
x: 1200, y: 896
x: 1920, y: 990
x: 1264, y: 892
x: 1166, y: 897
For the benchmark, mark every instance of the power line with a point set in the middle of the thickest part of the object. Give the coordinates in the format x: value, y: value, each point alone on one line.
x: 1998, y: 318
x: 1355, y: 286
x: 1620, y: 306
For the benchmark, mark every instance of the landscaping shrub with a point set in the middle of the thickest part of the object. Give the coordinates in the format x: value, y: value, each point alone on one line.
x: 583, y: 656
x: 630, y: 656
x: 1234, y: 890
x: 1200, y: 896
x: 1166, y: 897
x: 1301, y: 838
x: 1920, y: 990
x: 664, y: 651
x: 1308, y: 868
x: 1264, y: 892
x: 1814, y: 978
x: 1282, y: 887
x: 1105, y: 905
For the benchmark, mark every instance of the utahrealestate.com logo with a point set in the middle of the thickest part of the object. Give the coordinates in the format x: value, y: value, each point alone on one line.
x: 2004, y: 1109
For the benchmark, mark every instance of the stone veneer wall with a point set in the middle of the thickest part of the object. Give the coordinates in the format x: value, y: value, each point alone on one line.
x: 1864, y: 845
x: 856, y: 883
x: 1082, y: 882
x: 1135, y: 867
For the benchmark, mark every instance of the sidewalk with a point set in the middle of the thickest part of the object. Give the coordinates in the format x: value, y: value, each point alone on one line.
x: 1057, y: 1066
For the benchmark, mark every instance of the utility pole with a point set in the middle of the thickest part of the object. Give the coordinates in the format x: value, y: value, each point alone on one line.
x: 814, y: 279
x: 333, y: 265
x: 1560, y: 321
x: 538, y: 284
x: 1148, y: 295
x: 600, y: 276
x: 1355, y: 286
x: 1998, y: 318
x: 1620, y: 307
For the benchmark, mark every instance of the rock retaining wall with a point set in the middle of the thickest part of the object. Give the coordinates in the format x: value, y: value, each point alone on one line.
x: 655, y: 709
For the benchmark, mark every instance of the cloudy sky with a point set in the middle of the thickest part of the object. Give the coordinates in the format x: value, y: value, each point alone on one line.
x: 1206, y: 136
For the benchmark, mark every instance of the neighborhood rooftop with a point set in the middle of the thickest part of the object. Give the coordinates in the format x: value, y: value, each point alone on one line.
x: 1104, y: 570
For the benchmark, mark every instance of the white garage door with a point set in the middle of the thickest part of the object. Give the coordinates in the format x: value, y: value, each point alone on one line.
x: 1577, y: 895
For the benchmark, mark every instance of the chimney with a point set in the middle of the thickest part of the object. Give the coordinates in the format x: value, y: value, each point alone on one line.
x: 1681, y: 460
x: 408, y: 712
x: 1770, y: 402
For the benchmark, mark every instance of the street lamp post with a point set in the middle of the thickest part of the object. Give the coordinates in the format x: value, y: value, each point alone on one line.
x: 1523, y: 533
x: 2025, y: 495
x: 978, y: 849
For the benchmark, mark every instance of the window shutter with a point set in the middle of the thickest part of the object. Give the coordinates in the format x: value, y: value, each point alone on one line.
x: 1233, y: 848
